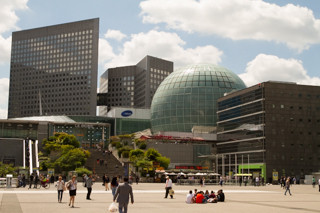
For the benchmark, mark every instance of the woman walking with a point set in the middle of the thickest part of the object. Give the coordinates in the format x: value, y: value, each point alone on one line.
x: 72, y: 186
x: 287, y: 183
x: 114, y: 184
x: 60, y: 187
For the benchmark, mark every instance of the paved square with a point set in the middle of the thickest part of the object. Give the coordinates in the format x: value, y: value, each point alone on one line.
x: 149, y: 197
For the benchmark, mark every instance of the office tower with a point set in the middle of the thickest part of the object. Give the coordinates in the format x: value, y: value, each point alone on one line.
x: 272, y: 127
x: 132, y: 86
x: 54, y: 70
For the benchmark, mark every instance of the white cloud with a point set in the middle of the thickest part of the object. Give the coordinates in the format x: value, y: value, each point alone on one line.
x: 8, y: 16
x: 8, y: 22
x: 105, y: 51
x: 115, y: 34
x: 164, y: 45
x: 293, y: 25
x: 269, y: 67
x: 4, y: 94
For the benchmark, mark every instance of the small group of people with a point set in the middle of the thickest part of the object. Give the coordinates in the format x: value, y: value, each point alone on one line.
x: 205, y: 197
x: 35, y: 178
x: 21, y: 180
x: 102, y: 162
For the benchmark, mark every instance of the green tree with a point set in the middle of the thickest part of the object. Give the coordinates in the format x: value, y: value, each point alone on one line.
x: 55, y: 143
x: 164, y: 162
x: 136, y: 154
x: 6, y: 169
x: 72, y: 159
x: 151, y: 154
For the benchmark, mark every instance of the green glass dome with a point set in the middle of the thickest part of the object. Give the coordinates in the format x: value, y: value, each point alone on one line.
x: 188, y: 97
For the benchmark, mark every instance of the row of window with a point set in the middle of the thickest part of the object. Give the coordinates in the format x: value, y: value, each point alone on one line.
x: 293, y: 107
x: 283, y: 157
x: 300, y: 119
x: 300, y: 95
x: 293, y: 132
x: 52, y: 37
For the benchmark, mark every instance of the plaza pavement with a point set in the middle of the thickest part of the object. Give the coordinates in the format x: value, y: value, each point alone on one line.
x: 149, y: 197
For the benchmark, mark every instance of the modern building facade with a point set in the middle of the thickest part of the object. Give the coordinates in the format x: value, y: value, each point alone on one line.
x: 270, y: 127
x: 129, y: 120
x: 54, y: 70
x: 187, y: 98
x: 132, y: 86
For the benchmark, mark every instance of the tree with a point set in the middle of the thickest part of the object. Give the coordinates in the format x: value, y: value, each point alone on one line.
x: 6, y: 169
x: 136, y: 154
x: 164, y: 162
x: 71, y: 160
x: 151, y: 154
x: 55, y: 143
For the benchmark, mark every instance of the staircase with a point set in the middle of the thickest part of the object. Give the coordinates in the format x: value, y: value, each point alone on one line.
x: 110, y: 170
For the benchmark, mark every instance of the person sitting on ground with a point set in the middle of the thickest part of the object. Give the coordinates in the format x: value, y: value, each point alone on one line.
x: 220, y: 196
x: 212, y: 198
x: 189, y: 199
x: 206, y: 194
x: 200, y: 198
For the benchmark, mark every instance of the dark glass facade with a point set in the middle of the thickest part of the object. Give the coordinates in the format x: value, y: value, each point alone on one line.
x: 273, y: 124
x: 54, y: 70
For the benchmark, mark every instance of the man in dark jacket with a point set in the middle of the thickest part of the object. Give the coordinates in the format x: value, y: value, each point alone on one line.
x: 31, y: 180
x: 122, y: 196
x: 89, y: 186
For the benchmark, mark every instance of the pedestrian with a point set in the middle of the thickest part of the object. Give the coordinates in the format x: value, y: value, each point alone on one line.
x: 168, y: 187
x: 19, y: 180
x: 98, y: 160
x: 287, y: 186
x: 106, y: 182
x: 36, y: 179
x: 64, y: 178
x: 240, y: 181
x: 221, y: 181
x: 257, y: 181
x: 60, y: 187
x: 245, y: 181
x: 72, y: 186
x: 89, y: 186
x: 109, y: 153
x: 117, y: 168
x: 137, y: 181
x: 101, y: 162
x: 122, y: 196
x: 203, y: 181
x: 130, y: 179
x: 319, y: 183
x: 313, y: 182
x: 114, y: 184
x: 105, y: 163
x: 103, y: 152
x: 23, y: 180
x: 52, y: 179
x: 30, y: 181
x: 294, y: 180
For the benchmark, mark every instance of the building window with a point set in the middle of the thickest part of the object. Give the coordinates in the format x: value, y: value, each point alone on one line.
x: 291, y: 119
x: 300, y: 95
x: 309, y: 120
x: 292, y: 158
x: 300, y: 119
x: 291, y: 107
x: 282, y: 106
x: 273, y: 118
x: 282, y: 144
x: 301, y: 158
x: 309, y: 108
x: 283, y: 157
x: 273, y: 106
x: 300, y: 107
x: 292, y: 144
x: 309, y: 96
x: 310, y: 133
x: 300, y: 145
x: 274, y: 157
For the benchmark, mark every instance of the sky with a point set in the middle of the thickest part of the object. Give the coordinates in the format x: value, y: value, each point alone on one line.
x: 258, y: 40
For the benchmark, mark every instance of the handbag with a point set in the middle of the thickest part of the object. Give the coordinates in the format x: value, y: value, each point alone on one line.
x: 113, y: 207
x: 171, y: 192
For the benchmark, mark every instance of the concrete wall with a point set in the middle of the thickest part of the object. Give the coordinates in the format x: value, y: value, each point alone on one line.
x: 12, y: 149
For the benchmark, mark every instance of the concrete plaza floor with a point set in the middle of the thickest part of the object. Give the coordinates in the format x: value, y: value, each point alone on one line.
x: 149, y: 197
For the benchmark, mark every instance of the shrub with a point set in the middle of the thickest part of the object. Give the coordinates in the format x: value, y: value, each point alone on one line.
x: 143, y: 146
x: 126, y: 148
x: 125, y: 154
x: 82, y: 171
x: 118, y: 145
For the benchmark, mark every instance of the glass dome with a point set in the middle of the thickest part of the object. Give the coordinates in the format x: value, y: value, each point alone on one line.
x: 188, y: 97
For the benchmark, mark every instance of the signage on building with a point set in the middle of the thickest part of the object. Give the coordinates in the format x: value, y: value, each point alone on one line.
x: 275, y: 176
x: 191, y: 167
x: 126, y: 113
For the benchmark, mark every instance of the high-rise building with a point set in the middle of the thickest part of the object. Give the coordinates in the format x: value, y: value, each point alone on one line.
x: 272, y: 127
x: 54, y: 70
x: 132, y: 86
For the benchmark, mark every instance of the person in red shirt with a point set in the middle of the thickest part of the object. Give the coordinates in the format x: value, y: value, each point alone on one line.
x: 200, y: 197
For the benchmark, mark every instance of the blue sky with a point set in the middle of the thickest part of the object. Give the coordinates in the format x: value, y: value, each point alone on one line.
x: 258, y: 40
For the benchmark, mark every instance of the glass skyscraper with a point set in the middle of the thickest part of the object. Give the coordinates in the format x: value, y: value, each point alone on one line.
x: 54, y: 70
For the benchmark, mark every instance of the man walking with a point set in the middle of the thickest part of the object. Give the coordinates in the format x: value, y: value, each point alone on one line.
x: 168, y: 186
x: 122, y: 195
x: 89, y: 186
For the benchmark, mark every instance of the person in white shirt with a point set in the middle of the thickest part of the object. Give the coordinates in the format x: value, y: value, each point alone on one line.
x: 60, y: 186
x: 189, y: 197
x: 168, y: 187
